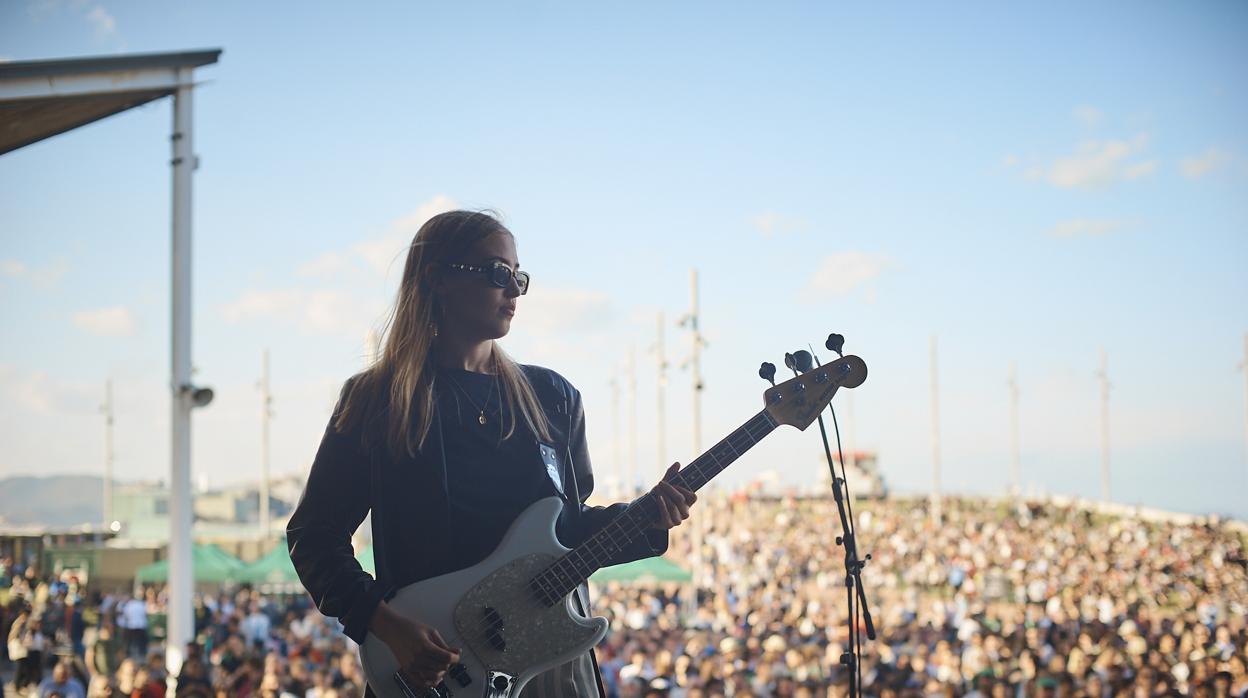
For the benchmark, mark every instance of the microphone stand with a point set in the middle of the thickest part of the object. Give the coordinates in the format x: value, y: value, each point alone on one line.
x: 855, y: 596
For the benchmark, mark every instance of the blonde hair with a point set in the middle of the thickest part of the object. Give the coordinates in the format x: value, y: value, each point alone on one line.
x: 400, y: 383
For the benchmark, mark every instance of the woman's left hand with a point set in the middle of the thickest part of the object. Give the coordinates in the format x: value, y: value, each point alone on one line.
x: 674, y: 500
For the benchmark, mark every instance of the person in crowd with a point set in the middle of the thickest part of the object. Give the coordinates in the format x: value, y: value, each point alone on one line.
x: 62, y: 683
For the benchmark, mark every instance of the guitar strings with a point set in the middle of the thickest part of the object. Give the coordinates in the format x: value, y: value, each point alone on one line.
x: 616, y: 526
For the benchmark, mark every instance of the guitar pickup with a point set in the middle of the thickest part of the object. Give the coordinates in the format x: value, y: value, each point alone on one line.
x: 459, y: 672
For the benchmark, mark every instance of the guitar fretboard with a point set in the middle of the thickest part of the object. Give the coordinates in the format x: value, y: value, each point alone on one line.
x: 569, y: 571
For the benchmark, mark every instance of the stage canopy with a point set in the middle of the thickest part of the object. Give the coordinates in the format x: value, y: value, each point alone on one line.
x: 40, y: 99
x: 209, y: 565
x: 648, y: 570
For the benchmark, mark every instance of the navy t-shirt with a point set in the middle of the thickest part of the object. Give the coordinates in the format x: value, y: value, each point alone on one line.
x: 490, y: 479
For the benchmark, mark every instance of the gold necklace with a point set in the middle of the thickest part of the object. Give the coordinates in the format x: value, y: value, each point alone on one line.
x: 480, y: 418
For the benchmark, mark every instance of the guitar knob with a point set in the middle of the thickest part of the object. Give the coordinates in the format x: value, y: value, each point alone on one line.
x: 767, y: 371
x: 835, y: 343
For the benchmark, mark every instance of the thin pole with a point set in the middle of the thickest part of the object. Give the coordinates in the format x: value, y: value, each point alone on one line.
x: 616, y: 434
x: 1244, y: 367
x: 935, y: 497
x: 632, y: 420
x: 266, y: 413
x: 372, y: 342
x: 1103, y: 375
x: 661, y: 406
x: 107, y: 410
x: 180, y: 622
x: 852, y: 456
x: 1015, y: 468
x: 695, y: 362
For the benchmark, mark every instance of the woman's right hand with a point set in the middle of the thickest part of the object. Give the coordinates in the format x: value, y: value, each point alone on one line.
x: 422, y: 654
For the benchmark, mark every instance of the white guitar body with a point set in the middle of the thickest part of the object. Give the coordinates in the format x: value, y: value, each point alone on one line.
x: 506, y: 634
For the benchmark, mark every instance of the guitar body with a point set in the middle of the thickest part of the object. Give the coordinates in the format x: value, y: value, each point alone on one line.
x: 505, y: 633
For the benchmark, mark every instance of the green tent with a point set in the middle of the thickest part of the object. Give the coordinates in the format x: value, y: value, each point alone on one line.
x: 274, y: 568
x: 651, y: 569
x: 209, y: 564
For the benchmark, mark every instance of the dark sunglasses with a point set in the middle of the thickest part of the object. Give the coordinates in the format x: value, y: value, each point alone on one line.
x: 498, y: 274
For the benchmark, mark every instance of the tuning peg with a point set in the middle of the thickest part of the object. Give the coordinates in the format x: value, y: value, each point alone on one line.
x: 791, y: 362
x: 767, y: 371
x: 835, y: 343
x: 803, y: 360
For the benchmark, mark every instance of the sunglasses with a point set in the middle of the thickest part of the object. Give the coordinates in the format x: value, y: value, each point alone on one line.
x: 498, y: 274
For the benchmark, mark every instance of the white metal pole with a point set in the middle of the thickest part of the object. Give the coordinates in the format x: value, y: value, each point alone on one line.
x: 266, y: 415
x: 851, y: 441
x: 935, y: 501
x: 180, y: 622
x: 373, y: 344
x: 1015, y: 468
x: 661, y: 387
x: 107, y: 409
x: 1103, y: 375
x: 1244, y: 366
x: 632, y: 421
x: 695, y: 360
x: 616, y: 434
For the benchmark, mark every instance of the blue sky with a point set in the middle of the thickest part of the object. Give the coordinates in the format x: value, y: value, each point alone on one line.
x: 1030, y: 185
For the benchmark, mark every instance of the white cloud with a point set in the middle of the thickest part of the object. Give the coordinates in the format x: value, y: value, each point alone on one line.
x: 1088, y: 116
x: 105, y: 24
x: 115, y: 321
x: 317, y: 311
x: 1201, y: 165
x: 1097, y: 165
x: 326, y: 265
x: 772, y: 224
x: 841, y: 273
x: 41, y: 394
x: 391, y: 247
x: 564, y: 309
x: 46, y: 276
x: 1087, y: 227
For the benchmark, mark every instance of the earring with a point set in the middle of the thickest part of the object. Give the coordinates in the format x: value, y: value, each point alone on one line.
x: 433, y: 328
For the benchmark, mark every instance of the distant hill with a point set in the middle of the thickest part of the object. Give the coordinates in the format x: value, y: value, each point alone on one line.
x: 56, y: 501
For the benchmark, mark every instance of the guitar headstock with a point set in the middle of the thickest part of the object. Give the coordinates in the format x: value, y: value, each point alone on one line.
x: 799, y: 400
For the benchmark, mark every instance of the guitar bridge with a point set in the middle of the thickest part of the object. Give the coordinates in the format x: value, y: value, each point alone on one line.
x: 499, y: 684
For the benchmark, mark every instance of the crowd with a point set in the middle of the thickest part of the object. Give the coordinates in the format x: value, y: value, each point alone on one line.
x: 995, y: 600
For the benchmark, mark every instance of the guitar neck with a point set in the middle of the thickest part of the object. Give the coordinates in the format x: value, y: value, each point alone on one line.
x: 577, y: 565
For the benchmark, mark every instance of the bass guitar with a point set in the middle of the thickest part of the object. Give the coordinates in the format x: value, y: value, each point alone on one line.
x: 512, y: 615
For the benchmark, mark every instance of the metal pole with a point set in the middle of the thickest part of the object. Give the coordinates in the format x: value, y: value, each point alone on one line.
x: 1244, y: 367
x: 935, y: 497
x: 695, y: 360
x: 617, y: 461
x: 1015, y: 469
x: 180, y: 621
x: 661, y: 407
x: 266, y: 414
x: 852, y: 456
x: 372, y: 343
x: 1103, y: 375
x: 632, y: 420
x: 107, y: 409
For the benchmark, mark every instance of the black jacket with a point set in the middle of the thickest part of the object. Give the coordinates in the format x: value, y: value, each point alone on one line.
x: 409, y: 502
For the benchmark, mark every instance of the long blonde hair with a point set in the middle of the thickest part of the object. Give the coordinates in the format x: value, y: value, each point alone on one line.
x: 400, y: 382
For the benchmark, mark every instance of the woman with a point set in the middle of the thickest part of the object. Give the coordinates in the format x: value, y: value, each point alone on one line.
x: 446, y: 440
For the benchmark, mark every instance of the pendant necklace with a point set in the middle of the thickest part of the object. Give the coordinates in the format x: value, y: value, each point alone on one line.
x: 481, y: 417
